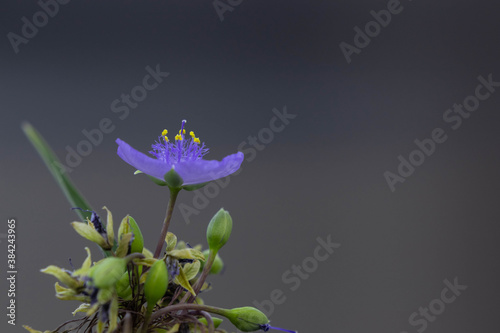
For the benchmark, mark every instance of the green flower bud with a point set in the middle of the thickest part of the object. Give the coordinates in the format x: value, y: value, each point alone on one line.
x: 217, y: 265
x: 108, y: 271
x: 128, y: 225
x: 156, y: 283
x: 219, y: 230
x: 247, y: 319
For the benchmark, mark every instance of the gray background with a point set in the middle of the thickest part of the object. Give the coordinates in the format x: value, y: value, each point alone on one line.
x: 322, y: 175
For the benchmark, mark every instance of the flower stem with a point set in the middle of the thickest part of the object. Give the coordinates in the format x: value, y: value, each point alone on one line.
x: 147, y: 319
x: 199, y: 307
x: 199, y: 284
x: 168, y: 216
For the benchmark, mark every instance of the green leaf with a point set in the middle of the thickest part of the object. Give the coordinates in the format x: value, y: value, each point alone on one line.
x: 58, y: 171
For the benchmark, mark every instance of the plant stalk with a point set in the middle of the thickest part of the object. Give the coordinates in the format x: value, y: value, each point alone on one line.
x: 166, y: 222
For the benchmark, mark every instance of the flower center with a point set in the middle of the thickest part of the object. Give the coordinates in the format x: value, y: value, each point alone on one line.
x: 182, y: 149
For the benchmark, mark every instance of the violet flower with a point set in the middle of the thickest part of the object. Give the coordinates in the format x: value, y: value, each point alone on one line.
x: 184, y: 156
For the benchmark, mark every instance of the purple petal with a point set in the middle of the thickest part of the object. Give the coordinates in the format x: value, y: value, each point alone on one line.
x: 192, y: 172
x: 148, y: 165
x: 202, y: 171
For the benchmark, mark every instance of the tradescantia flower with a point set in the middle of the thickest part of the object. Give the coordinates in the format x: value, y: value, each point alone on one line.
x: 183, y: 155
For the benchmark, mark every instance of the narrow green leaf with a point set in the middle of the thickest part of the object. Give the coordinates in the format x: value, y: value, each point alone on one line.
x: 59, y: 172
x: 57, y: 169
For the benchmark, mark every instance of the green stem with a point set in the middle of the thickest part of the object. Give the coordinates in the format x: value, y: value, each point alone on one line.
x: 147, y: 319
x: 204, y: 274
x: 199, y: 307
x: 166, y: 222
x: 199, y: 283
x: 210, y: 322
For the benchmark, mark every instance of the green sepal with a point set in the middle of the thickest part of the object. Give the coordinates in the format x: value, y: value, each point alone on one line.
x: 157, y: 181
x: 193, y: 186
x: 138, y: 242
x: 171, y: 240
x: 182, y: 280
x: 187, y: 253
x: 154, y: 179
x: 82, y: 308
x: 191, y: 269
x: 129, y: 225
x: 173, y: 180
x: 63, y: 276
x: 87, y: 230
x: 67, y: 294
x: 31, y: 330
x: 85, y: 266
x: 109, y: 226
x: 123, y: 245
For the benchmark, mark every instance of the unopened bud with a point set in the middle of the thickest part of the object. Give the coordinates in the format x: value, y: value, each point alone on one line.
x: 247, y: 319
x: 156, y: 283
x: 107, y: 272
x: 219, y: 230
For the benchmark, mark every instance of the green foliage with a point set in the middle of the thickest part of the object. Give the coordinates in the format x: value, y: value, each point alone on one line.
x: 132, y: 290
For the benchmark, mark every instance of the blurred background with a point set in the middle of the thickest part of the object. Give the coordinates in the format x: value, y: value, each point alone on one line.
x: 354, y: 103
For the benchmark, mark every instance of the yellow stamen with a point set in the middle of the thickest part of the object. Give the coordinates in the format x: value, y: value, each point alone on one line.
x: 192, y: 134
x: 178, y: 137
x: 166, y: 138
x: 183, y: 131
x: 197, y: 140
x: 164, y: 132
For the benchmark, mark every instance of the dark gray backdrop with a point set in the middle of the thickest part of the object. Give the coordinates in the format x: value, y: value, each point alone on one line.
x: 321, y: 176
